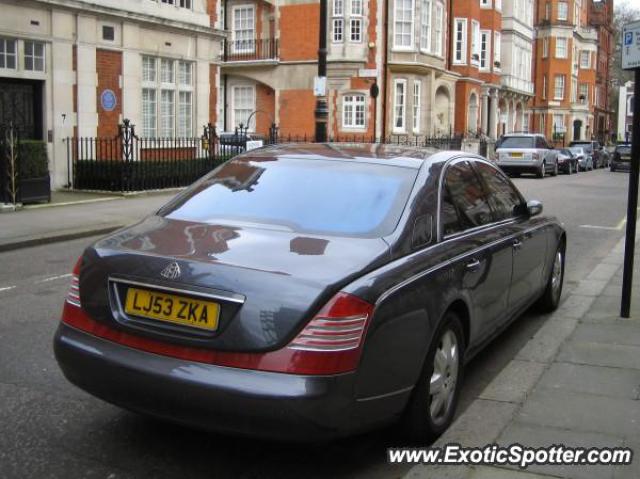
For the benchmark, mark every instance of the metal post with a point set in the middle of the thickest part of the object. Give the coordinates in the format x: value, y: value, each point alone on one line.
x: 632, y: 204
x: 322, y: 110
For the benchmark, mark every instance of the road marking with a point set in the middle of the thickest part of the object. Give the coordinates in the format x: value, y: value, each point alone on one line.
x: 53, y: 278
x: 7, y: 288
x: 596, y: 227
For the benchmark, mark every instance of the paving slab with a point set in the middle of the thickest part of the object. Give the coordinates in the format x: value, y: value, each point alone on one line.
x: 576, y: 305
x: 546, y: 342
x: 534, y: 436
x: 596, y: 354
x: 484, y: 472
x: 596, y: 380
x: 514, y: 382
x: 579, y: 412
x: 480, y: 424
x: 621, y: 332
x: 604, y: 271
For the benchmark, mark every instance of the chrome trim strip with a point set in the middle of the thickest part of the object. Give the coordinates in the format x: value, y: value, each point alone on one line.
x: 234, y: 298
x: 382, y: 396
x: 455, y: 259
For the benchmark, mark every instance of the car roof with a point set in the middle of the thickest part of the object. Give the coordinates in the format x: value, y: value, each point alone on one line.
x: 521, y: 134
x: 388, y: 154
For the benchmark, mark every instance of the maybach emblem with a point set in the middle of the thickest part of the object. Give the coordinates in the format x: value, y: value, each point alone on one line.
x: 172, y: 271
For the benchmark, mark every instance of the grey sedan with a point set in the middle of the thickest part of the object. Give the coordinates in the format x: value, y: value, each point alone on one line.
x: 308, y: 292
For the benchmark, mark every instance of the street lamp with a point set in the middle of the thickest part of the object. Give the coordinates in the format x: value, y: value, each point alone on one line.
x: 320, y: 87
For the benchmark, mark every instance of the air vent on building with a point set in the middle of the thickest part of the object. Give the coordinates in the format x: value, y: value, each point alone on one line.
x: 167, y: 44
x: 35, y: 23
x: 108, y: 33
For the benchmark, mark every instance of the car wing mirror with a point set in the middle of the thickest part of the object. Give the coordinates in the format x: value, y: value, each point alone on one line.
x: 534, y: 207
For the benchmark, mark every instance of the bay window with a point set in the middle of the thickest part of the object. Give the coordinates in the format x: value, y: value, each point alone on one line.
x: 403, y: 24
x: 425, y: 25
x: 399, y: 105
x: 417, y: 105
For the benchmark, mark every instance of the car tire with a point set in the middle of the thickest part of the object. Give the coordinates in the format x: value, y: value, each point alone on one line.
x: 440, y: 380
x: 555, y: 169
x: 553, y: 290
x: 542, y: 171
x: 612, y: 168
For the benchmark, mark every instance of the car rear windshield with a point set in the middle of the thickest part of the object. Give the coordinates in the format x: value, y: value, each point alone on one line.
x: 342, y: 198
x: 587, y: 146
x: 624, y: 150
x: 577, y: 149
x: 517, y: 142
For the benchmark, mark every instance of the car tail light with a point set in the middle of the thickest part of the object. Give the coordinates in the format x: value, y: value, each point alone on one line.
x: 73, y: 296
x: 339, y: 326
x: 331, y: 343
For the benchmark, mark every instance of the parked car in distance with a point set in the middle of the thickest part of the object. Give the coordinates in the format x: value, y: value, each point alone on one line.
x: 310, y: 291
x: 592, y: 148
x: 585, y: 160
x: 621, y: 159
x: 567, y: 161
x: 526, y: 153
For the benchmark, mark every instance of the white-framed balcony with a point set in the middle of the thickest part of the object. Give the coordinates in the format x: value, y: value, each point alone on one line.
x: 518, y: 84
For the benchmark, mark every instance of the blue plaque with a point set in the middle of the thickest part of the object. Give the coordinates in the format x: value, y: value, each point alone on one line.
x: 108, y: 100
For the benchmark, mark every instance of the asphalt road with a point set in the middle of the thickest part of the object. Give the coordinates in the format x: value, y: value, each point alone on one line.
x: 48, y: 428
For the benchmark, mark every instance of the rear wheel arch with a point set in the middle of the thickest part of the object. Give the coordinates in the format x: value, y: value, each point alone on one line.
x: 462, y: 311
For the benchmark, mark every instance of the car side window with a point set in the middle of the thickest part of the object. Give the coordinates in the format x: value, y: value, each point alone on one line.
x: 464, y: 204
x: 504, y: 198
x: 540, y: 143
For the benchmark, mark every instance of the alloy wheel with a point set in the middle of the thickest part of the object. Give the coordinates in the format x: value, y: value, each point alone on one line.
x: 444, y: 378
x: 556, y: 275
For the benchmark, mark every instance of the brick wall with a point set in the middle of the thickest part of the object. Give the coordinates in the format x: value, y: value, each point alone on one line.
x: 109, y: 70
x: 296, y: 112
x: 266, y: 107
x: 299, y: 32
x: 211, y: 10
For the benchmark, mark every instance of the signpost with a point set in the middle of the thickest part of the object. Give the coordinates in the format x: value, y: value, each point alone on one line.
x: 631, y: 61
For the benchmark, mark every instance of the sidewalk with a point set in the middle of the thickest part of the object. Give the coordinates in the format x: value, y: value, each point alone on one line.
x: 576, y: 383
x: 75, y: 215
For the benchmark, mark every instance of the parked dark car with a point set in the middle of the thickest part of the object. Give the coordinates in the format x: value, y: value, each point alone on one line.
x: 308, y: 292
x: 585, y: 160
x: 621, y: 158
x: 567, y: 161
x: 593, y: 148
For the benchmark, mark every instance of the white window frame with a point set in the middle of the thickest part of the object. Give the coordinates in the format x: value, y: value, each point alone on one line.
x: 406, y: 22
x: 234, y: 121
x: 243, y: 45
x: 14, y: 55
x: 426, y: 18
x: 187, y: 4
x: 337, y: 34
x: 583, y: 89
x: 558, y: 52
x: 563, y: 11
x: 497, y: 50
x: 558, y: 126
x: 399, y: 110
x: 485, y: 4
x: 417, y: 105
x: 498, y: 5
x: 153, y: 80
x: 460, y: 41
x: 485, y: 53
x: 559, y: 85
x: 475, y: 42
x: 33, y: 56
x: 544, y: 87
x: 439, y: 30
x: 545, y: 47
x: 356, y: 22
x: 356, y: 101
x: 585, y: 54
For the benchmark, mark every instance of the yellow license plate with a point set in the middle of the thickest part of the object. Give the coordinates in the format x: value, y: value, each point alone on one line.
x: 191, y: 312
x: 516, y: 155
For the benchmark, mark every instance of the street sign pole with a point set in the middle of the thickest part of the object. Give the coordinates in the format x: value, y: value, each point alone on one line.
x: 631, y: 60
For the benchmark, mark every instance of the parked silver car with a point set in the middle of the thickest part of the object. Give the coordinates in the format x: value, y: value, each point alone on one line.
x: 526, y: 153
x: 585, y: 160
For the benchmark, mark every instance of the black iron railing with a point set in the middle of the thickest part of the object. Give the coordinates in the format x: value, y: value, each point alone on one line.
x: 131, y: 163
x: 250, y: 50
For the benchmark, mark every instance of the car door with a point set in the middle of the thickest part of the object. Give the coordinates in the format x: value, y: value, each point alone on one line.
x: 485, y: 271
x: 527, y: 245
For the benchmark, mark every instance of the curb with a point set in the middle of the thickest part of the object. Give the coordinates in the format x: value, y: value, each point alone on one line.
x: 494, y: 408
x: 57, y: 237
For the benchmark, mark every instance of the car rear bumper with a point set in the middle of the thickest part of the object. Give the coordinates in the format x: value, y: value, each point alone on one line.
x: 621, y: 165
x: 217, y: 398
x: 519, y: 165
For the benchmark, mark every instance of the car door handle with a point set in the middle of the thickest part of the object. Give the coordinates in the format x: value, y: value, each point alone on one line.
x: 517, y: 244
x: 473, y: 265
